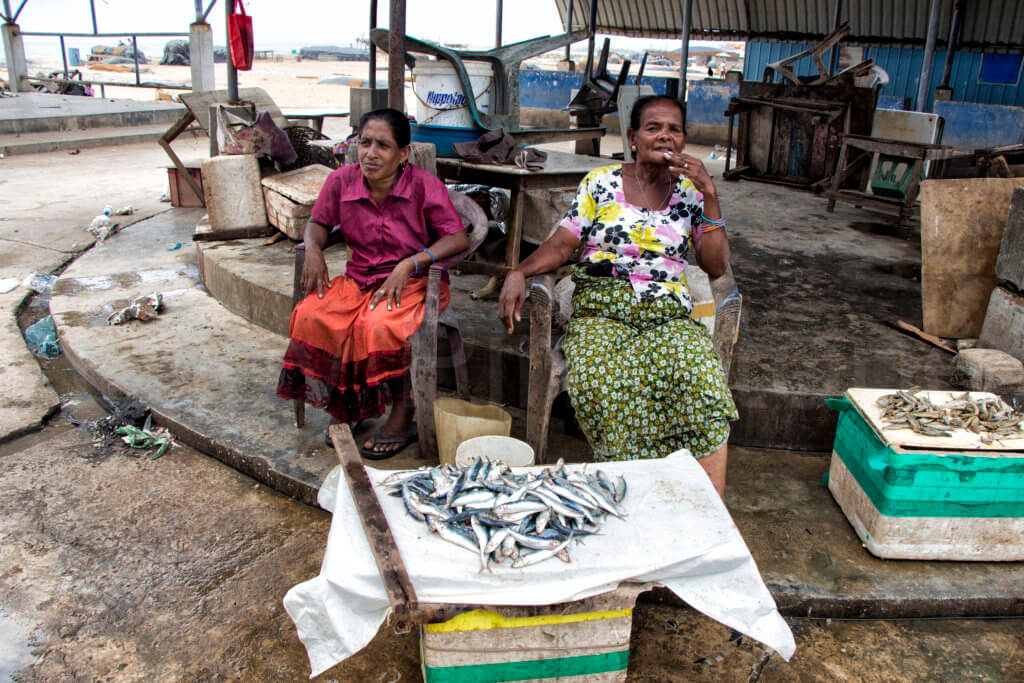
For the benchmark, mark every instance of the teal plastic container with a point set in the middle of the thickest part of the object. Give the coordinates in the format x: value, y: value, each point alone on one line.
x: 902, y: 483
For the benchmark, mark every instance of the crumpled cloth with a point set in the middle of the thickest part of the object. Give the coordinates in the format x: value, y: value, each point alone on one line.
x: 498, y: 147
x: 236, y: 135
x: 678, y: 533
x: 143, y: 308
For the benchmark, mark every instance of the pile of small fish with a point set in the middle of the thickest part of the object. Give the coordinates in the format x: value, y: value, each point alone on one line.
x: 498, y: 515
x: 989, y: 417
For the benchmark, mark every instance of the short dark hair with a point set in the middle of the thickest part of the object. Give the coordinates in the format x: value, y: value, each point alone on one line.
x: 398, y: 122
x: 642, y: 103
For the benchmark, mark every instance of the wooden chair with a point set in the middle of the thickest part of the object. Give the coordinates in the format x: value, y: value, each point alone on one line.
x: 551, y: 307
x: 424, y: 342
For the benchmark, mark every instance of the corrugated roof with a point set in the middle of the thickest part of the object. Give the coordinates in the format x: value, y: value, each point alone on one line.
x: 987, y: 24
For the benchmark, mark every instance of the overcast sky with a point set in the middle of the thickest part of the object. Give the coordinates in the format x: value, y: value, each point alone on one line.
x: 295, y: 23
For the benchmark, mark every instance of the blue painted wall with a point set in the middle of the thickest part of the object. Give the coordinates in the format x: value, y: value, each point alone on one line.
x: 971, y: 126
x: 706, y: 101
x: 904, y: 68
x: 553, y: 89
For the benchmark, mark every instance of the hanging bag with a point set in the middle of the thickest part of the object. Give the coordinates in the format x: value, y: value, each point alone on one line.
x: 240, y: 37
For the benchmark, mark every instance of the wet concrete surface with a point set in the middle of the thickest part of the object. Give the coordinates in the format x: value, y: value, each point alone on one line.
x: 131, y: 569
x: 43, y: 217
x: 814, y: 563
x: 123, y: 568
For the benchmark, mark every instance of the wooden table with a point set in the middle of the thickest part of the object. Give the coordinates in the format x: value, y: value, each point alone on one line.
x: 871, y: 148
x: 314, y: 116
x: 561, y: 171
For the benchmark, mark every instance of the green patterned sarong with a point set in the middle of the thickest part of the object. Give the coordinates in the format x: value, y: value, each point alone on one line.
x: 643, y: 377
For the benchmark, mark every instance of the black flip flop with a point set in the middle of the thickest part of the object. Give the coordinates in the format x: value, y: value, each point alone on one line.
x: 378, y: 440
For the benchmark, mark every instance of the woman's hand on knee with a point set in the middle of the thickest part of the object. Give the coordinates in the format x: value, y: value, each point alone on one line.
x: 391, y: 290
x: 510, y: 304
x: 314, y: 273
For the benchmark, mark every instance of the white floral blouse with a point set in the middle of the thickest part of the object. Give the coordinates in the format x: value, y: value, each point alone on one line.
x: 647, y: 247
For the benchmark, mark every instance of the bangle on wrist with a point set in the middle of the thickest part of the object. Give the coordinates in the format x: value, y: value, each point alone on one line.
x: 415, y: 265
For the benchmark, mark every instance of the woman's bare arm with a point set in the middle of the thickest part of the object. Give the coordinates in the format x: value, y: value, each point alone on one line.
x: 314, y: 268
x: 555, y: 251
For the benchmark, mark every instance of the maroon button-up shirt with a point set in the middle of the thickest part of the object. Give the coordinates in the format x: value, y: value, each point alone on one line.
x: 413, y: 216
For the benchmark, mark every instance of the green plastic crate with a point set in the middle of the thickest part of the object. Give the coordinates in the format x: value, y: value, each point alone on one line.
x: 903, y: 483
x: 892, y: 176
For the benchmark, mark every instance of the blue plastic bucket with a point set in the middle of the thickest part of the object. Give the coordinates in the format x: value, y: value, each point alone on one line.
x: 444, y: 137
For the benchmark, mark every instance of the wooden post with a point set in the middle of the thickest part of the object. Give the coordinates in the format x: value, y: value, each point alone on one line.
x: 924, y: 85
x: 373, y: 56
x: 684, y: 50
x: 229, y: 8
x: 397, y: 583
x: 396, y: 56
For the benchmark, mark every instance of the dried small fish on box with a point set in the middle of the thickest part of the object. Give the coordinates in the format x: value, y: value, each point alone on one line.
x: 501, y: 516
x: 988, y: 416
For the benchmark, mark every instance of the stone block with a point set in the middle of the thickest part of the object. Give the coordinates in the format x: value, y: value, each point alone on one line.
x: 362, y: 100
x: 234, y: 198
x: 1010, y: 264
x: 1003, y: 328
x: 988, y: 370
x: 290, y: 197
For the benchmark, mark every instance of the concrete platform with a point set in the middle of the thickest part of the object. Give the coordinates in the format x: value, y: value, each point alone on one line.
x: 209, y: 375
x: 818, y: 290
x: 34, y: 123
x: 36, y: 112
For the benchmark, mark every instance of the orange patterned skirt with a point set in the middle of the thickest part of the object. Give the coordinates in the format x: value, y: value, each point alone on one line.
x: 347, y: 359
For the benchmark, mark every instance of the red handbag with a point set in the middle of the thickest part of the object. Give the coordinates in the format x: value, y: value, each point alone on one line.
x: 240, y: 37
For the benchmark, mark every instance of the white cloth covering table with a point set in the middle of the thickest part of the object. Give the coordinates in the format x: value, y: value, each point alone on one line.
x: 677, y: 533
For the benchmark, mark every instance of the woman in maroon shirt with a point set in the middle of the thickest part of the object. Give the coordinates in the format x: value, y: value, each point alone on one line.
x: 349, y: 351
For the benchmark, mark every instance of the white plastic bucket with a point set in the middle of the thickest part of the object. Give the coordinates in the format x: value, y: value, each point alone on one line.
x: 512, y: 452
x: 439, y: 97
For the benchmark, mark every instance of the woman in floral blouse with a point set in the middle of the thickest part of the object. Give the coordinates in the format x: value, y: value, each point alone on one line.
x: 643, y: 375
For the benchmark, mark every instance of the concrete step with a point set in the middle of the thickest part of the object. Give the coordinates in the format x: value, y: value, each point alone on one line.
x: 38, y: 143
x: 209, y: 375
x: 43, y: 112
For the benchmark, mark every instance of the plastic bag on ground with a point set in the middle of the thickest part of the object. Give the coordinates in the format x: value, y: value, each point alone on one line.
x: 42, y: 339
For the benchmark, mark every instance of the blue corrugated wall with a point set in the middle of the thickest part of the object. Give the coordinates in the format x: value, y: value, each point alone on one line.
x: 904, y: 69
x: 552, y: 89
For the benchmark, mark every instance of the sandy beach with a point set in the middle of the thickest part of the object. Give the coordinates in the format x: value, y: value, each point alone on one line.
x: 293, y: 84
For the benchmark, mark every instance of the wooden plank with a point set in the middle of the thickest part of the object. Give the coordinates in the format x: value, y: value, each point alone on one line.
x: 759, y: 139
x: 199, y: 104
x: 962, y: 224
x: 204, y: 232
x: 962, y: 439
x: 903, y: 326
x: 401, y: 593
x: 1010, y: 263
x: 910, y: 150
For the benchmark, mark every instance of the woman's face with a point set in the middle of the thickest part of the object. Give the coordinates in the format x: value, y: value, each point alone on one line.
x: 661, y: 130
x: 379, y: 154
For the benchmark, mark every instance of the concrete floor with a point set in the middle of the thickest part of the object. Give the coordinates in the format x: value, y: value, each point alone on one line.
x: 122, y: 568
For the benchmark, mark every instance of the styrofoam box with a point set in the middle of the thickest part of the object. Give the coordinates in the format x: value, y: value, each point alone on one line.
x: 587, y: 640
x: 925, y: 503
